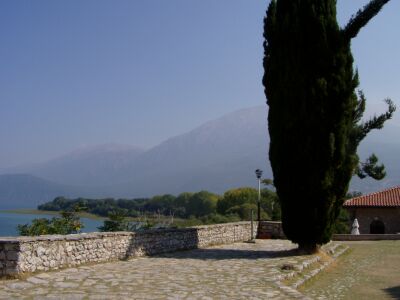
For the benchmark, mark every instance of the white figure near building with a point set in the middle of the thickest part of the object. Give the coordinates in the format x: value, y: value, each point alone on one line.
x: 354, y: 227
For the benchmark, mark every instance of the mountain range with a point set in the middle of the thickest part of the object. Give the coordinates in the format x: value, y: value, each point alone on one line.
x: 219, y: 155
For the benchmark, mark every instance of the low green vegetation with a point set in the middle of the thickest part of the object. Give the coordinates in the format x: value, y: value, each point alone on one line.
x: 235, y: 204
x: 31, y: 211
x: 68, y: 223
x: 342, y: 223
x: 186, y: 209
x: 162, y: 211
x: 119, y: 221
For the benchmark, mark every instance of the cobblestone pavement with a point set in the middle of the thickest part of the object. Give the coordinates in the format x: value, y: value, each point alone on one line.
x: 236, y: 271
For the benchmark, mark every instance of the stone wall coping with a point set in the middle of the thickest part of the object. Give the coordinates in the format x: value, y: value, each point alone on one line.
x: 97, y: 235
x: 272, y: 222
x: 365, y: 237
x: 222, y: 225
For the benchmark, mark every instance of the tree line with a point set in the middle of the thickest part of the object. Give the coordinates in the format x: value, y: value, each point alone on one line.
x: 235, y: 204
x: 186, y: 209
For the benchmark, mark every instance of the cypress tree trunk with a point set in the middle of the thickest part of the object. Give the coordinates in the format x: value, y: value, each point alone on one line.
x: 314, y: 113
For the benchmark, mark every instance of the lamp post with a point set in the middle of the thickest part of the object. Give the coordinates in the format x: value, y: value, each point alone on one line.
x: 258, y: 174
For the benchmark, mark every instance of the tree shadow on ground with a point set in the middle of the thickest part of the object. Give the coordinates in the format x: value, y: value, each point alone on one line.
x: 394, y: 292
x: 224, y: 254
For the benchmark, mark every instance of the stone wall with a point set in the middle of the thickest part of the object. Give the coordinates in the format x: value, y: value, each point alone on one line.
x: 365, y: 237
x: 270, y: 230
x: 273, y: 230
x: 30, y: 254
x: 390, y: 216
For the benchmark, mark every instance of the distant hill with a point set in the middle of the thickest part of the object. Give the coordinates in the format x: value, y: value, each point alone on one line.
x: 216, y: 156
x: 89, y: 166
x: 27, y: 191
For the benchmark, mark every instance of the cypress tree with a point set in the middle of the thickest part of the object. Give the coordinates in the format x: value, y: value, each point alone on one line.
x: 315, y: 113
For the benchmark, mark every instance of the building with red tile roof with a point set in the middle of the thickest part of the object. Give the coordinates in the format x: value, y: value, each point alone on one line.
x: 377, y: 212
x: 386, y: 198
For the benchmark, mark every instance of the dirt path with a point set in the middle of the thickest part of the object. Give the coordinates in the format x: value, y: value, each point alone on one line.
x: 370, y: 270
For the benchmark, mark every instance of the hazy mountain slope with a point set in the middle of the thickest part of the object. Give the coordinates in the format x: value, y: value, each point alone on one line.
x: 224, y: 153
x: 90, y: 166
x: 220, y: 154
x: 27, y: 191
x: 216, y: 156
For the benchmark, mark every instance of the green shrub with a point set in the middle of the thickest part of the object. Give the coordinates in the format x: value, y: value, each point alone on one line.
x: 116, y: 221
x: 67, y: 223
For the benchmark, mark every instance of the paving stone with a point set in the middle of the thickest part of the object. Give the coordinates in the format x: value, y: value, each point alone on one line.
x: 43, y: 275
x: 19, y: 285
x: 36, y: 280
x: 65, y: 285
x: 235, y: 271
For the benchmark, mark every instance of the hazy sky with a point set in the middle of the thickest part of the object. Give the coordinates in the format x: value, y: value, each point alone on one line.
x: 83, y: 72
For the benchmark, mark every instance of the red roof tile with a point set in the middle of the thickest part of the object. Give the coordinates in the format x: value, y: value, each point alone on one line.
x: 385, y: 198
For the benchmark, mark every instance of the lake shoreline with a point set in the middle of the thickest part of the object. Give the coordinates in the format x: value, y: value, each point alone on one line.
x: 10, y: 219
x: 32, y: 211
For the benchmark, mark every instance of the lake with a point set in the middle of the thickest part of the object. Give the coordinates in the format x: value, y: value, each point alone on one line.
x: 9, y: 222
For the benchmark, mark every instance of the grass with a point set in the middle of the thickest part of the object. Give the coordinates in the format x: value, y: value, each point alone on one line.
x: 370, y: 270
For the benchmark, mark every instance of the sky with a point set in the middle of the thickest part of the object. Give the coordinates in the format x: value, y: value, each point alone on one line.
x: 78, y: 73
